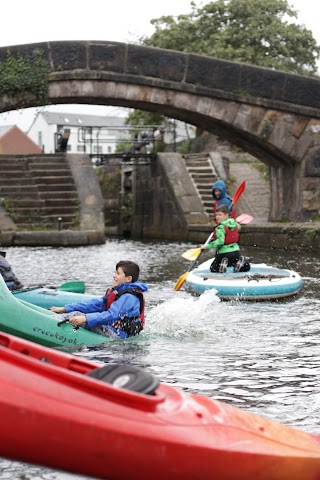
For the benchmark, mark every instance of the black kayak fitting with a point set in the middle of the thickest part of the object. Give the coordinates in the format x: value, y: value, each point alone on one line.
x: 126, y: 376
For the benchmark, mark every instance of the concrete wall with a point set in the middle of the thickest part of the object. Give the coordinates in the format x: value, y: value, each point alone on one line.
x: 165, y: 200
x: 89, y: 192
x: 297, y: 237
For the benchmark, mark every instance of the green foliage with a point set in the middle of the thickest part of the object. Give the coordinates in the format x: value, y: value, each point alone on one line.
x: 184, y: 147
x: 315, y: 218
x: 22, y: 75
x: 283, y: 218
x: 126, y: 208
x: 250, y: 31
x: 110, y: 182
x: 123, y: 145
x: 263, y: 169
x: 312, y: 234
x: 141, y: 118
x: 158, y: 146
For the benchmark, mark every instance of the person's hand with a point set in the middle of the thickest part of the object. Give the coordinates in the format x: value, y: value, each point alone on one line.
x: 78, y: 320
x: 202, y: 247
x: 58, y: 309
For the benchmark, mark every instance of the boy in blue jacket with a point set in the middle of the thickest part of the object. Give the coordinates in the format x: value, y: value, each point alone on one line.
x: 120, y: 312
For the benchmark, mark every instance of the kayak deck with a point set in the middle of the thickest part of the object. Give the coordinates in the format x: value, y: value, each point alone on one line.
x: 186, y: 436
x: 35, y: 323
x: 50, y: 297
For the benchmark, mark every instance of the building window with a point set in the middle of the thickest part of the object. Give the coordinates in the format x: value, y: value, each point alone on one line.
x: 109, y: 150
x: 81, y: 148
x: 68, y: 148
x: 97, y: 149
x: 40, y: 139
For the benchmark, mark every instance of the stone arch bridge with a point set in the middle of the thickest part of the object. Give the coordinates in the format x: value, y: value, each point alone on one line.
x: 274, y: 116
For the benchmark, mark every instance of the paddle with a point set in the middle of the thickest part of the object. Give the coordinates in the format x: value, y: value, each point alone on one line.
x: 183, y: 277
x: 192, y: 253
x: 75, y: 286
x: 244, y: 219
x: 239, y: 192
x: 236, y: 197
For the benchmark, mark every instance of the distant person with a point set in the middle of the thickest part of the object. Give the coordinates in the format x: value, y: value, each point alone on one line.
x: 120, y: 312
x: 220, y: 197
x: 8, y: 276
x: 225, y: 241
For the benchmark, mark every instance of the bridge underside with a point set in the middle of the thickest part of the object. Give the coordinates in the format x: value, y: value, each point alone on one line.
x: 287, y: 142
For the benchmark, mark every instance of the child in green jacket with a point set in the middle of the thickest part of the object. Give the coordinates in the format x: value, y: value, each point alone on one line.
x: 225, y: 241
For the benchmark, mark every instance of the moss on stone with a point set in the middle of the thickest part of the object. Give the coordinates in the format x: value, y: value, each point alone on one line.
x: 20, y: 76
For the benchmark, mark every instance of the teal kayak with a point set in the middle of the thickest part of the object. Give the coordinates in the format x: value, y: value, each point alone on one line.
x: 39, y: 325
x: 47, y: 297
x: 261, y: 282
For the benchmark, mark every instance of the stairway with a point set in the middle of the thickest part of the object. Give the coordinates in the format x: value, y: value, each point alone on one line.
x: 203, y: 175
x: 37, y: 190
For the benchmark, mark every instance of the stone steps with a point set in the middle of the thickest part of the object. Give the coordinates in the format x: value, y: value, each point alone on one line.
x: 22, y: 212
x: 63, y: 189
x: 203, y: 175
x: 37, y: 190
x: 50, y: 222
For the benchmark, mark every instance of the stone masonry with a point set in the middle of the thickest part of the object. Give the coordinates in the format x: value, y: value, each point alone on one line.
x: 275, y: 116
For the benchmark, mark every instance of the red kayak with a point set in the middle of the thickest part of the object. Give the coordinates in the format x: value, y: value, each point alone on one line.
x: 117, y: 422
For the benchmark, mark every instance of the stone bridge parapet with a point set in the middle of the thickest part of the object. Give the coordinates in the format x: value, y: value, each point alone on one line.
x: 273, y: 115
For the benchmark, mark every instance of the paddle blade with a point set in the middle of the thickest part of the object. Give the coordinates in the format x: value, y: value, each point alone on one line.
x: 180, y: 281
x: 239, y: 192
x: 75, y: 287
x: 244, y: 219
x: 191, y: 254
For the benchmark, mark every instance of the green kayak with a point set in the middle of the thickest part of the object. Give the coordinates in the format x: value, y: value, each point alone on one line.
x: 39, y: 325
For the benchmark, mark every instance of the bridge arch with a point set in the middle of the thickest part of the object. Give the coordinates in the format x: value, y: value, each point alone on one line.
x: 273, y: 115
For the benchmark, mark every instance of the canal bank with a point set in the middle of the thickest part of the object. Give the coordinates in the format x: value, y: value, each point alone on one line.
x: 58, y: 238
x: 268, y: 235
x: 290, y: 236
x: 165, y: 205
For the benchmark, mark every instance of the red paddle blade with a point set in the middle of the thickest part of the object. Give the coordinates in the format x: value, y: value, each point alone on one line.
x: 244, y: 219
x: 239, y: 192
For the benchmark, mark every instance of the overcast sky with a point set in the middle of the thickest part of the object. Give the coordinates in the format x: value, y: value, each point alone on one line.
x: 31, y: 21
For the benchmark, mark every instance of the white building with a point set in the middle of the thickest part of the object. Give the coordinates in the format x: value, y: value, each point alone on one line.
x: 95, y: 135
x: 91, y: 134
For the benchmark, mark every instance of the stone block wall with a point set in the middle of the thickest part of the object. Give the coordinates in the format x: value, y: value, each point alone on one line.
x: 165, y: 200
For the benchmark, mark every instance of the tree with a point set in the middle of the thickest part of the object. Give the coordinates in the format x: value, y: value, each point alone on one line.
x: 250, y: 31
x: 141, y: 118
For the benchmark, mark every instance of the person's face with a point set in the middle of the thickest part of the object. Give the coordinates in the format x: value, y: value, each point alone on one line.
x: 217, y: 192
x: 221, y: 217
x: 119, y: 277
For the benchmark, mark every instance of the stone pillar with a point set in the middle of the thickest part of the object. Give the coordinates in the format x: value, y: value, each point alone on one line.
x: 285, y: 194
x: 89, y: 192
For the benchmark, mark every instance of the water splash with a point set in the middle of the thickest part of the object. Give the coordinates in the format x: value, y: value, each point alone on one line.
x: 181, y: 317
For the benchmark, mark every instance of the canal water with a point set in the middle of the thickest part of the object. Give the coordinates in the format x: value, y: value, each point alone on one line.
x: 262, y: 357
